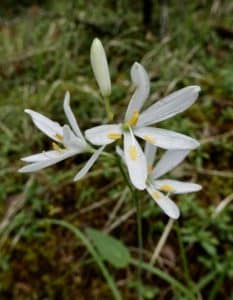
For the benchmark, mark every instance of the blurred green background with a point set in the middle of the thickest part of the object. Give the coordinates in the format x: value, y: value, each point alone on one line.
x: 44, y: 51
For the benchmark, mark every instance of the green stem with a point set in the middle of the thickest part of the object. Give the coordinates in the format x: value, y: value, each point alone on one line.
x: 108, y: 108
x: 112, y: 285
x: 140, y: 242
x: 139, y: 228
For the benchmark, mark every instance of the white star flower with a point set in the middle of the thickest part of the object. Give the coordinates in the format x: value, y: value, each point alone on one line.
x: 157, y: 187
x: 136, y: 124
x: 68, y: 141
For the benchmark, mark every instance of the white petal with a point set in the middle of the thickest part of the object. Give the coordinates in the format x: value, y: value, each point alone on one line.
x: 150, y: 152
x: 177, y: 187
x: 139, y: 78
x: 47, y: 126
x: 166, y: 139
x: 120, y: 152
x: 70, y: 116
x: 135, y: 161
x: 169, y: 106
x: 36, y: 166
x: 165, y: 203
x: 168, y: 161
x: 88, y: 165
x: 100, y: 67
x: 71, y: 141
x: 46, y: 155
x: 103, y: 134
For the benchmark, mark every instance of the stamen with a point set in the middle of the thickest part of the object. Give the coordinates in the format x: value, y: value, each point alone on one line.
x: 133, y: 152
x: 150, y: 169
x: 59, y: 137
x: 156, y: 195
x: 149, y: 139
x: 114, y: 136
x: 56, y: 147
x: 134, y: 119
x: 166, y: 188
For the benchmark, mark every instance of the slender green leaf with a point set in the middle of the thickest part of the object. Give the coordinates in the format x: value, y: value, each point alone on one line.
x: 111, y: 249
x: 78, y: 233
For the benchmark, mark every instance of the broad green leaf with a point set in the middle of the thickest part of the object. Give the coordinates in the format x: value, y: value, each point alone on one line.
x: 111, y: 249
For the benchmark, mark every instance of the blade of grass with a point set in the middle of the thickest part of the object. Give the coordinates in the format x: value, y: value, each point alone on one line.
x: 166, y: 277
x: 78, y: 234
x: 183, y: 257
x: 205, y: 280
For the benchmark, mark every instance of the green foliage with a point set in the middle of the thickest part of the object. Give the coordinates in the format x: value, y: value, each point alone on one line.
x: 111, y: 249
x: 44, y: 52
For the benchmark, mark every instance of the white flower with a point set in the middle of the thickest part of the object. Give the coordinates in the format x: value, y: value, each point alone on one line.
x: 157, y: 187
x: 136, y: 124
x: 100, y: 67
x: 67, y: 141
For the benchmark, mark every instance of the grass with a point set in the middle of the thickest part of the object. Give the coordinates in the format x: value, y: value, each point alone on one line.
x: 44, y: 52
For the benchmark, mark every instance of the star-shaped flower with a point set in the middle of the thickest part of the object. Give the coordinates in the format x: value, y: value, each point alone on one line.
x: 68, y: 141
x: 136, y: 124
x: 160, y: 189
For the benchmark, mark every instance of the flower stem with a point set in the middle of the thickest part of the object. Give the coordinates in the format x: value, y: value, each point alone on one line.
x: 139, y: 228
x: 108, y: 108
x: 140, y: 241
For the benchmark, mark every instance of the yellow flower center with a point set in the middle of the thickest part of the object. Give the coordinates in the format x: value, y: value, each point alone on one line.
x: 133, y: 152
x: 134, y: 119
x: 59, y: 137
x: 166, y: 188
x: 149, y: 139
x: 114, y: 136
x: 56, y: 147
x: 156, y: 195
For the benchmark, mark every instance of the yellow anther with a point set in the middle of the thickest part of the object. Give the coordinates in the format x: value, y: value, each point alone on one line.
x: 56, y: 147
x: 156, y: 195
x: 114, y: 136
x: 133, y: 152
x: 149, y: 139
x: 134, y: 119
x: 150, y: 169
x: 166, y: 188
x: 59, y: 137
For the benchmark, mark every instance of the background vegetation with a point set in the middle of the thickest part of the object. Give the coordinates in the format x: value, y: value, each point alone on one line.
x: 44, y: 52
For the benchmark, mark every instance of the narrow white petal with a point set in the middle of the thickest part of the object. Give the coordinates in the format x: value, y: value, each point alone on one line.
x: 120, y: 152
x: 47, y: 126
x: 176, y: 187
x: 141, y: 80
x: 135, y: 161
x: 88, y: 165
x: 168, y: 161
x: 103, y: 134
x: 46, y: 155
x: 100, y: 67
x: 70, y: 116
x: 71, y: 141
x: 166, y: 139
x: 150, y: 152
x: 165, y: 203
x: 36, y: 166
x: 169, y: 106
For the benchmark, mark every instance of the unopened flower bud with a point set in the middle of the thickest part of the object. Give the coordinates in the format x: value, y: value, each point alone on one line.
x: 100, y: 67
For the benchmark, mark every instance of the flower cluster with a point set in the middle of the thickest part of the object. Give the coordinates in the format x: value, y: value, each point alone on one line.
x: 68, y: 140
